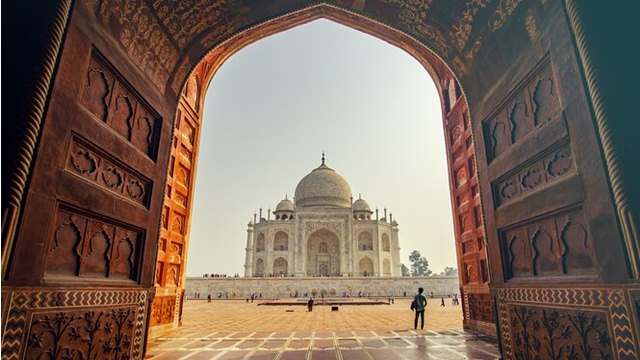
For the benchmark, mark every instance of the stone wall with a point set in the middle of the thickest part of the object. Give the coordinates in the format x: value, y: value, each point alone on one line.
x: 330, y: 286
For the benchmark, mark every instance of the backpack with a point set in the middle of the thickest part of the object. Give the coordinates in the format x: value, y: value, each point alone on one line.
x: 413, y: 305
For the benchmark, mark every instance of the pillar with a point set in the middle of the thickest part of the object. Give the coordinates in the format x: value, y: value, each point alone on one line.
x: 395, y: 252
x: 248, y: 259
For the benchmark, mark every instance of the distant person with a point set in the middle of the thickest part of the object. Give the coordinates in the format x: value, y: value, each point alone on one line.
x: 418, y: 305
x: 209, y: 298
x: 442, y: 303
x: 310, y: 304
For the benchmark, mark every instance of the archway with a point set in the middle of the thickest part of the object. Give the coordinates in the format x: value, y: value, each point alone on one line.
x: 365, y: 241
x: 365, y: 267
x: 386, y: 245
x: 260, y: 243
x: 259, y: 268
x: 386, y: 267
x: 463, y: 175
x: 110, y: 106
x: 281, y: 241
x: 323, y: 254
x: 280, y: 267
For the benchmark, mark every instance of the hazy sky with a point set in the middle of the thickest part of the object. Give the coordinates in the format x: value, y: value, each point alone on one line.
x: 275, y: 105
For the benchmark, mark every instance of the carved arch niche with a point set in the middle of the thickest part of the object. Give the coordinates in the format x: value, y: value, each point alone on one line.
x: 365, y: 241
x: 281, y: 241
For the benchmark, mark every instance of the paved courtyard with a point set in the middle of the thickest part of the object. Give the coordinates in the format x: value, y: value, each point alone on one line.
x: 237, y: 330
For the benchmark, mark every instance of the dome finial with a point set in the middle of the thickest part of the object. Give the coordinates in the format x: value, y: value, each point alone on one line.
x: 323, y: 157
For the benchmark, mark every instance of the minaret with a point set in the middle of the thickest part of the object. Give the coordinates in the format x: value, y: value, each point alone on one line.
x: 248, y: 258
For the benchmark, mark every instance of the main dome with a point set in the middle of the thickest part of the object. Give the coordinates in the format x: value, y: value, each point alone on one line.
x: 323, y: 187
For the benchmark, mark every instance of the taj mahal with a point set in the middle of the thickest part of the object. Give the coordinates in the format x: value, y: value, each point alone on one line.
x: 323, y: 232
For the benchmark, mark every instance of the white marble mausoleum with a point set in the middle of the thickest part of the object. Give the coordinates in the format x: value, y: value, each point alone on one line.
x: 322, y: 233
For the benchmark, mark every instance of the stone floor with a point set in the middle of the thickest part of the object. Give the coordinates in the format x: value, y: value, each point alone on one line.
x: 236, y: 330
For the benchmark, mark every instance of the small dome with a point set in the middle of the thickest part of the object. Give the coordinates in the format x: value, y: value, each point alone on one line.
x: 323, y: 187
x: 361, y: 205
x: 284, y: 205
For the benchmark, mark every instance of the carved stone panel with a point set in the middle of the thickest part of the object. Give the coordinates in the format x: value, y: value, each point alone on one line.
x: 112, y: 100
x: 88, y: 246
x: 557, y: 244
x: 539, y: 172
x: 540, y: 333
x: 84, y: 334
x: 162, y: 310
x: 533, y: 104
x: 93, y: 164
x: 480, y: 307
x: 566, y: 323
x: 75, y: 324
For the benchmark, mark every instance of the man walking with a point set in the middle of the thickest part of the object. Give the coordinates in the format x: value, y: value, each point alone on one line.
x: 310, y: 304
x: 418, y: 305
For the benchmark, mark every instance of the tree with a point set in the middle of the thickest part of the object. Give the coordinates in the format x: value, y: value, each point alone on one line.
x: 405, y: 270
x: 419, y: 264
x: 450, y: 271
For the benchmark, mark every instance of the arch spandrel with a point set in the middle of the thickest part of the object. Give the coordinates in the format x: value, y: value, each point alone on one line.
x: 454, y: 30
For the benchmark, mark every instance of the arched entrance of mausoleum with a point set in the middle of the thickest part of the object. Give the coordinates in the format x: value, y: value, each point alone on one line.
x: 112, y: 167
x: 323, y: 253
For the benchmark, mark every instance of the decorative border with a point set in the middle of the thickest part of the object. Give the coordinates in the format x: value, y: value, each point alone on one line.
x: 612, y: 300
x: 626, y: 216
x: 24, y: 302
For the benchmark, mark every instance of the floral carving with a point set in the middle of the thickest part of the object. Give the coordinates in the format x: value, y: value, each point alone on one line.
x: 546, y: 169
x: 86, y: 158
x: 560, y: 163
x: 539, y: 333
x: 112, y: 177
x: 84, y: 161
x: 480, y: 307
x: 135, y: 189
x: 508, y: 189
x: 531, y: 178
x: 461, y: 30
x: 504, y: 9
x: 92, y: 334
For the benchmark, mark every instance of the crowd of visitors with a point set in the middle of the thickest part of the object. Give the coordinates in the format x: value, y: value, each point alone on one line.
x: 220, y: 275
